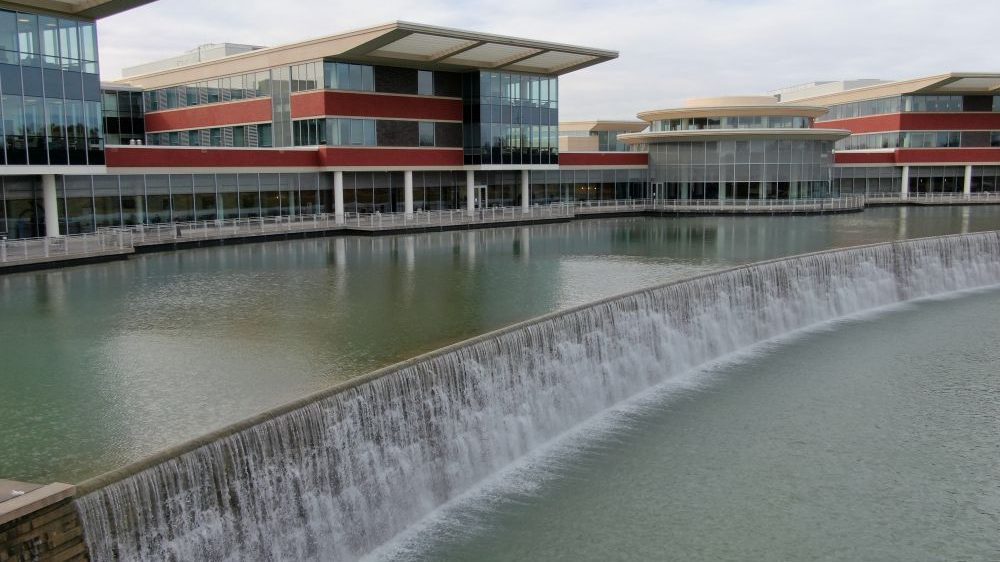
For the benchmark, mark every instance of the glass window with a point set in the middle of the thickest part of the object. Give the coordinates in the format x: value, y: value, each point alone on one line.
x: 69, y: 45
x: 264, y: 135
x: 425, y: 83
x: 263, y: 84
x: 28, y: 43
x: 426, y: 133
x: 215, y: 136
x: 8, y: 37
x: 50, y: 41
x: 239, y: 136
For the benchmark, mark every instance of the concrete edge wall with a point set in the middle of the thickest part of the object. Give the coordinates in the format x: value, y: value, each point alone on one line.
x: 43, y: 526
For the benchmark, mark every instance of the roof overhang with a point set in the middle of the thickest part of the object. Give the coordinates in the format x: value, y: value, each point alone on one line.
x: 399, y: 44
x: 735, y: 111
x: 952, y: 83
x: 453, y: 49
x: 87, y: 9
x: 603, y: 125
x: 734, y: 134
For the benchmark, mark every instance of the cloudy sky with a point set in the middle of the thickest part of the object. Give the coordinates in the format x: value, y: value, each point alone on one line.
x: 670, y: 49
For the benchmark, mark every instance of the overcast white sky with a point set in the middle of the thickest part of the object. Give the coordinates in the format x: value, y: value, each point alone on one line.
x: 670, y: 49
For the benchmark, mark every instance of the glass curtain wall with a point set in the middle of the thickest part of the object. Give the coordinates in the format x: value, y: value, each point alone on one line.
x: 741, y: 169
x: 89, y: 202
x: 510, y: 118
x: 50, y: 95
x: 124, y: 121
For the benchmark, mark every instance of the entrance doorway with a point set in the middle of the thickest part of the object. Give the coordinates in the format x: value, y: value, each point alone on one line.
x: 482, y: 194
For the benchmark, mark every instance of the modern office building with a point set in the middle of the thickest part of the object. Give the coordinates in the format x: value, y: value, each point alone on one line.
x: 747, y: 147
x: 401, y: 117
x: 406, y: 117
x: 934, y: 134
x: 50, y: 100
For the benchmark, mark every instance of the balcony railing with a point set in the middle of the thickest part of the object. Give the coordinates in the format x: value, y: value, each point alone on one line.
x: 936, y: 198
x: 125, y: 239
x: 25, y: 250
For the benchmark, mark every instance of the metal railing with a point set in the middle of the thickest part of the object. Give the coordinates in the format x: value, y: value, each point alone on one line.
x: 73, y: 245
x: 232, y: 228
x: 117, y: 239
x: 856, y: 202
x: 937, y: 198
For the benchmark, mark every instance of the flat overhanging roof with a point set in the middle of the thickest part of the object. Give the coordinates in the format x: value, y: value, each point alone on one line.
x: 400, y: 44
x: 455, y: 49
x: 952, y: 83
x: 87, y: 9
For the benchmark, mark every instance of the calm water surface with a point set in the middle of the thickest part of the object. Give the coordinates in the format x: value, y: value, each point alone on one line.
x: 874, y: 439
x: 105, y: 364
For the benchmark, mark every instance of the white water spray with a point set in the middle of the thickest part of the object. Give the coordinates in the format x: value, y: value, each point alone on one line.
x: 336, y: 478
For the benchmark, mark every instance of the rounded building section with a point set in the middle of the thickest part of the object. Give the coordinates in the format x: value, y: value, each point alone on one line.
x: 745, y: 147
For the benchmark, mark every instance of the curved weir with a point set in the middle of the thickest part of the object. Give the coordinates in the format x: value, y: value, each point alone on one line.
x: 336, y: 475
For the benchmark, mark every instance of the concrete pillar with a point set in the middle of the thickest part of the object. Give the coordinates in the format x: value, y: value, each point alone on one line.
x: 763, y: 190
x: 525, y: 191
x: 722, y: 190
x: 793, y: 190
x: 140, y: 209
x: 470, y: 192
x: 967, y: 188
x: 50, y: 201
x: 338, y: 197
x: 904, y: 187
x: 408, y: 193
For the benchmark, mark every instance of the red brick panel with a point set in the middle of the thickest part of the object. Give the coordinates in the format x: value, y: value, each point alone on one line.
x: 865, y: 158
x: 200, y: 117
x: 950, y: 121
x: 870, y: 124
x: 916, y: 122
x: 603, y: 159
x: 171, y: 157
x: 957, y: 155
x: 349, y: 157
x: 357, y: 104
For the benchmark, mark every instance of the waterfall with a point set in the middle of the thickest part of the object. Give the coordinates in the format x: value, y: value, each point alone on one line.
x: 334, y: 478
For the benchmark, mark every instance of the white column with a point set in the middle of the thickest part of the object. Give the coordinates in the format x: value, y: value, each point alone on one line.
x: 470, y: 192
x: 967, y: 189
x: 408, y: 193
x: 338, y: 197
x: 50, y: 201
x: 140, y: 209
x: 904, y: 188
x: 525, y: 191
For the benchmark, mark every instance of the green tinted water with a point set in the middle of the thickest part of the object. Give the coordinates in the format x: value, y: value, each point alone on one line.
x: 872, y: 439
x: 105, y: 364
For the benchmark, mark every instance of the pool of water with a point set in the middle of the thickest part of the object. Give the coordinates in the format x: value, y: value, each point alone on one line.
x: 105, y: 364
x: 874, y: 438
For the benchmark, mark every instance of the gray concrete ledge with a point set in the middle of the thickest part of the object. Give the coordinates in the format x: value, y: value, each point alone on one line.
x: 36, y: 499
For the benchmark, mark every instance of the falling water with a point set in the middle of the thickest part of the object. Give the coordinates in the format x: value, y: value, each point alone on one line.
x: 335, y: 478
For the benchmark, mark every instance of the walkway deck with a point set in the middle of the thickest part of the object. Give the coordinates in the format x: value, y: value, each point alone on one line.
x: 119, y: 243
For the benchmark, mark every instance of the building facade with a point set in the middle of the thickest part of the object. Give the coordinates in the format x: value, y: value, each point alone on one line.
x: 406, y: 118
x: 396, y: 118
x: 737, y: 148
x: 929, y: 135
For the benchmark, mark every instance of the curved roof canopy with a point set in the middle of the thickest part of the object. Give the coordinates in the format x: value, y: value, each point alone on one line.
x: 87, y: 9
x: 400, y: 44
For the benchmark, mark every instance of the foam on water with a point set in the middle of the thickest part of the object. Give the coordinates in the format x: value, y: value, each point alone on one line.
x: 336, y: 478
